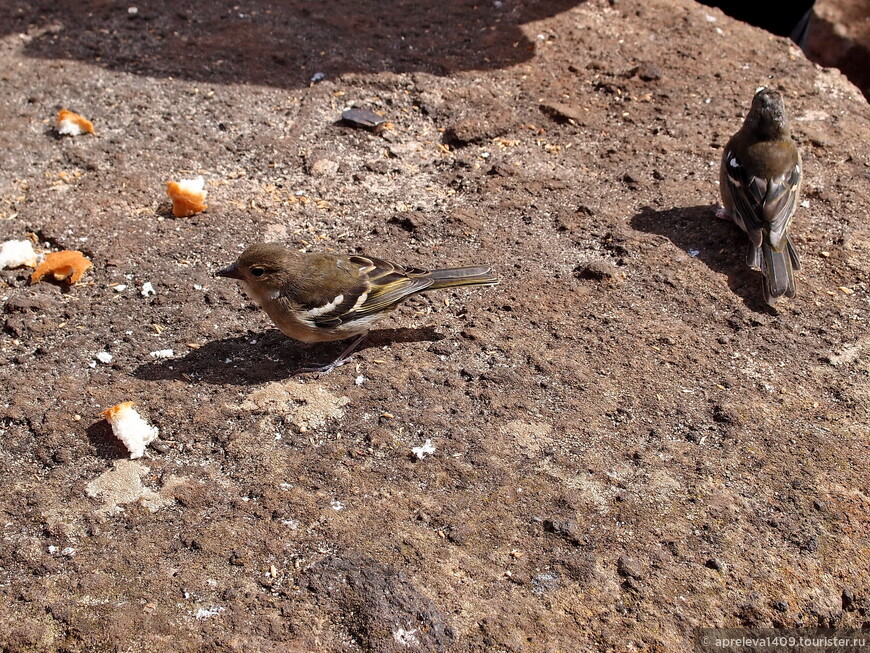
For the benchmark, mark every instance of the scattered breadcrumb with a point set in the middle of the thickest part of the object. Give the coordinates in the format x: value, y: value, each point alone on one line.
x: 424, y: 449
x: 68, y: 264
x: 72, y: 124
x: 188, y: 196
x: 15, y: 253
x: 163, y: 353
x: 129, y: 427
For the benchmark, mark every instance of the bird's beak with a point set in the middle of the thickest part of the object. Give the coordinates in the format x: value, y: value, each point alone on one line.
x: 231, y: 271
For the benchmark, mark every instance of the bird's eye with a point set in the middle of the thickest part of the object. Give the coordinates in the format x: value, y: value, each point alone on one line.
x: 258, y: 272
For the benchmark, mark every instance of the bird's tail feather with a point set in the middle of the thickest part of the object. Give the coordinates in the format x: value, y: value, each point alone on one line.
x: 793, y: 255
x: 470, y: 276
x: 778, y: 272
x: 753, y: 256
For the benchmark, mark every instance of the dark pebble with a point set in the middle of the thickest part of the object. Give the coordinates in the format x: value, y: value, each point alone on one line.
x: 363, y: 118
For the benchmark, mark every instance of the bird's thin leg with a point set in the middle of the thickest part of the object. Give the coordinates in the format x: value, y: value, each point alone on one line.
x: 343, y: 358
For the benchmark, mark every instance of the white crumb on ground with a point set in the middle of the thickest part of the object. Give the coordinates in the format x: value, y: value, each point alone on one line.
x: 163, y: 353
x: 69, y: 127
x: 129, y: 427
x: 15, y: 253
x: 195, y: 186
x: 424, y: 449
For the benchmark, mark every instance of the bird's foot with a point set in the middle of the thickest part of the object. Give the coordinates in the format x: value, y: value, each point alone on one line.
x: 338, y: 362
x: 324, y: 369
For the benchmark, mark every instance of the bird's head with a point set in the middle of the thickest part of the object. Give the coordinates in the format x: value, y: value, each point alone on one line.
x: 767, y: 115
x: 264, y: 266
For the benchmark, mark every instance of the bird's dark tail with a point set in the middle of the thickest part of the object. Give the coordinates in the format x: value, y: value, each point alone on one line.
x: 778, y: 270
x: 471, y: 276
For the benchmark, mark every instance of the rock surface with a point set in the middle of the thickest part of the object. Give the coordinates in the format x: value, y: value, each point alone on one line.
x: 629, y: 444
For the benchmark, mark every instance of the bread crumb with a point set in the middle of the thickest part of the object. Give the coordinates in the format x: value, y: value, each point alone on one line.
x: 188, y: 196
x: 129, y: 427
x: 15, y: 253
x: 72, y: 124
x: 163, y: 353
x: 68, y: 264
x: 427, y: 448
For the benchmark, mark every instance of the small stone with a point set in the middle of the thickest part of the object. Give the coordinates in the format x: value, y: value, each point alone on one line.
x: 321, y: 164
x: 364, y: 118
x: 409, y: 220
x: 160, y: 446
x: 378, y: 166
x: 562, y: 112
x: 782, y: 606
x: 649, y: 72
x: 715, y: 563
x: 627, y: 567
x: 595, y: 271
x: 564, y: 528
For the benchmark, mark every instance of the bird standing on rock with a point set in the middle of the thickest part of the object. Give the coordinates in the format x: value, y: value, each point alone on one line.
x: 760, y: 181
x: 323, y: 297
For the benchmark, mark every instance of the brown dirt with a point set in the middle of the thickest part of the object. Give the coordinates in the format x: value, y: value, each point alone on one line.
x: 628, y: 443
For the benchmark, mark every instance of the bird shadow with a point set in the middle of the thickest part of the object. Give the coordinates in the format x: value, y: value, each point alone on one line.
x: 718, y: 243
x: 269, y: 356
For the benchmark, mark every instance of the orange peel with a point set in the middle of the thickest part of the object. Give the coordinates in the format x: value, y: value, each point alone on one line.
x: 73, y: 124
x: 68, y: 264
x: 188, y: 196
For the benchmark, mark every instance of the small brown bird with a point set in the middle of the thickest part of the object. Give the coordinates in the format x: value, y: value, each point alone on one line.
x: 760, y: 180
x: 322, y: 297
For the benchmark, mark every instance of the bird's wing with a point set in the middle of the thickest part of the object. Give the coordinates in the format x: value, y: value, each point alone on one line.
x: 369, y: 286
x: 748, y: 192
x: 779, y: 205
x: 764, y: 205
x: 388, y: 284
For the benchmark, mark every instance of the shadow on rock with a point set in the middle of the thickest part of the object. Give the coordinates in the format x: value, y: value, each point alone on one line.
x: 107, y: 446
x: 282, y: 44
x: 718, y: 243
x: 376, y: 604
x: 269, y: 356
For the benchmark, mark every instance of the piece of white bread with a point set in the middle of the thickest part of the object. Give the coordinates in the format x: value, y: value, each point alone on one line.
x: 15, y: 253
x: 188, y: 196
x: 72, y: 124
x: 129, y: 427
